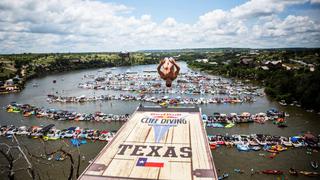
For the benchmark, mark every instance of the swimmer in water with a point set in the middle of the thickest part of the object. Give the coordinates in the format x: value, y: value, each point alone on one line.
x: 168, y: 70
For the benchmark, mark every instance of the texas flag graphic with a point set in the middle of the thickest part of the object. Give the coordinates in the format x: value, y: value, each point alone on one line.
x: 144, y: 162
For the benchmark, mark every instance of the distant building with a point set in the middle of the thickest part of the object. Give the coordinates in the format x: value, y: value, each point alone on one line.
x: 254, y: 52
x: 286, y: 67
x: 273, y: 64
x: 213, y: 63
x: 124, y: 54
x: 264, y: 68
x: 311, y: 67
x: 226, y: 62
x: 246, y: 61
x: 75, y: 60
x: 298, y: 62
x: 202, y: 60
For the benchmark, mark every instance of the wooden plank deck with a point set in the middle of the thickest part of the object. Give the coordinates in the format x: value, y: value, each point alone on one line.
x: 156, y: 143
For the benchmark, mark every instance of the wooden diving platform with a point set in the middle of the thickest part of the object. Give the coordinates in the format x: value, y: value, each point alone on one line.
x: 156, y: 143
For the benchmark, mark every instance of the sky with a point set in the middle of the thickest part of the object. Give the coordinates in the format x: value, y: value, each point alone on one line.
x: 44, y: 26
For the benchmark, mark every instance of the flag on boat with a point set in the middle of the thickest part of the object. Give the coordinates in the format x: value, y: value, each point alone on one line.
x: 145, y: 162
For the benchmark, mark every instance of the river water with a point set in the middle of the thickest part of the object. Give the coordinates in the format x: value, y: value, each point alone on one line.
x: 226, y: 159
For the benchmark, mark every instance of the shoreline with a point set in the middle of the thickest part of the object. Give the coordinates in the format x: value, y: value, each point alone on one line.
x: 256, y: 82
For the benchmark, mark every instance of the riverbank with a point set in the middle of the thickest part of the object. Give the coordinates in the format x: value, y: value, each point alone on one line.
x: 25, y: 67
x: 296, y: 88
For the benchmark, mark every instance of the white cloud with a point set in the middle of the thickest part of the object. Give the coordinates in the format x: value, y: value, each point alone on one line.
x: 314, y: 1
x: 257, y: 8
x: 169, y: 22
x: 291, y: 31
x: 89, y: 25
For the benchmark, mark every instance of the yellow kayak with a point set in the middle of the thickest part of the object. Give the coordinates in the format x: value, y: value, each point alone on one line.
x: 230, y: 125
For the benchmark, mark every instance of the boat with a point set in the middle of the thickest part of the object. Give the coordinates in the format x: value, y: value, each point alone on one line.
x: 286, y: 141
x: 278, y: 172
x: 309, y: 173
x: 223, y: 176
x: 230, y: 125
x: 59, y: 157
x: 215, y: 125
x: 297, y: 141
x: 293, y: 172
x: 35, y: 85
x: 238, y: 171
x: 255, y: 148
x: 278, y: 148
x: 213, y: 146
x: 243, y: 147
x: 314, y: 164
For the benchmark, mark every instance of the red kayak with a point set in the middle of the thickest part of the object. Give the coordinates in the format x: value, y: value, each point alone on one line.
x: 272, y: 172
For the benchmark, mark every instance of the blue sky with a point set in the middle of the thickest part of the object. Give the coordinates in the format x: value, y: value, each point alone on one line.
x: 103, y: 25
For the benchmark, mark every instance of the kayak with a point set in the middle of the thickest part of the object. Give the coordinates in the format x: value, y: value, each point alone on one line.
x: 272, y: 172
x: 230, y: 125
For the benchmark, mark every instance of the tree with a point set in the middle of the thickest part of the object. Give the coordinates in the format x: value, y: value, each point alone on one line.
x: 31, y: 159
x: 8, y: 152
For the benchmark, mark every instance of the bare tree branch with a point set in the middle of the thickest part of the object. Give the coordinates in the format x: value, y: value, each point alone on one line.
x: 24, y: 153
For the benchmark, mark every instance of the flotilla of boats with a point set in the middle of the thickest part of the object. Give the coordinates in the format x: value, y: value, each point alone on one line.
x: 162, y: 100
x: 187, y: 83
x: 62, y: 115
x: 291, y: 171
x: 219, y: 120
x: 51, y: 133
x: 253, y: 142
x: 272, y: 144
